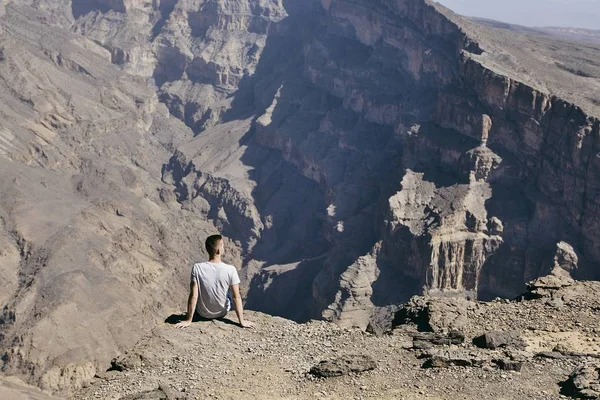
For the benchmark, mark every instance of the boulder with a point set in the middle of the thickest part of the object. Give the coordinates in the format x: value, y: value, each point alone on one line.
x: 583, y: 383
x: 438, y: 315
x: 343, y: 366
x: 565, y: 264
x: 496, y: 340
x: 508, y: 365
x: 566, y: 258
x: 427, y: 340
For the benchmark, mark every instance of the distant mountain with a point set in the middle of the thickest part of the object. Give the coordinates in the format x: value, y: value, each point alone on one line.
x: 574, y: 33
x: 564, y: 32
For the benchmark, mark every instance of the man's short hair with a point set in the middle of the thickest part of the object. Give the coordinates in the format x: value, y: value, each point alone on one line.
x: 212, y: 244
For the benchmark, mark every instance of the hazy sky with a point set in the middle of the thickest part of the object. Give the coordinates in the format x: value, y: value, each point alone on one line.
x: 573, y: 13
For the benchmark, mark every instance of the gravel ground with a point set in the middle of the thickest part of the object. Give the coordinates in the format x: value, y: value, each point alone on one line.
x: 219, y: 360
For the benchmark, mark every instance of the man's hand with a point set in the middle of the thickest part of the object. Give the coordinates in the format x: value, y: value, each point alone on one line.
x: 247, y: 324
x: 192, y: 300
x: 183, y: 324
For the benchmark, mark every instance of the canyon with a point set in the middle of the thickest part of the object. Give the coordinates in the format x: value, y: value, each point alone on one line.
x: 354, y: 153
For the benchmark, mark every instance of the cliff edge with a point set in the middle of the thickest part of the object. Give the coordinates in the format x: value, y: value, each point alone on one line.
x: 524, y: 349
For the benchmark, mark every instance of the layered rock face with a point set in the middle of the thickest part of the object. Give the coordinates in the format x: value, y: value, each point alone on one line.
x: 92, y: 243
x: 354, y: 153
x: 387, y: 105
x: 458, y: 237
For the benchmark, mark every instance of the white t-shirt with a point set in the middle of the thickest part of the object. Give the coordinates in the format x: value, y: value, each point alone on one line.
x: 214, y: 280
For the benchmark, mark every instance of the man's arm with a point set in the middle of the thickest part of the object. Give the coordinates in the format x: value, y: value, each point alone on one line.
x: 191, y: 308
x: 239, y: 309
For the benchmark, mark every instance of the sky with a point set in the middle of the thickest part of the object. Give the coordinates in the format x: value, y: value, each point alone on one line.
x: 570, y: 13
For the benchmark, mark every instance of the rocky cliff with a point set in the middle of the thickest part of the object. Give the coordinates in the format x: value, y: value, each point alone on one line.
x: 355, y: 153
x: 378, y: 99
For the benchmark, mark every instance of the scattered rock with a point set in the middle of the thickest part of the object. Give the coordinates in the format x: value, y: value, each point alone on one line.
x: 125, y: 363
x: 553, y: 355
x: 559, y: 352
x: 343, y: 366
x: 447, y: 362
x: 108, y: 375
x: 447, y: 359
x: 170, y: 393
x: 421, y: 345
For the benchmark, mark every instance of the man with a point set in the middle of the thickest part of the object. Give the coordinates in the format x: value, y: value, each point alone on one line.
x: 210, y: 285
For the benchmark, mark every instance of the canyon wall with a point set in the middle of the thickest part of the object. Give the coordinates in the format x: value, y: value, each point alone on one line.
x: 377, y: 95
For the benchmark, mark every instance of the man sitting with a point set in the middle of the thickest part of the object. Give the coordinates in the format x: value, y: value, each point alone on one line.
x: 210, y: 285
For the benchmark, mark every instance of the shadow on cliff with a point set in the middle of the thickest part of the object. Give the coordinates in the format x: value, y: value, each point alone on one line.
x: 286, y: 290
x: 82, y: 7
x: 400, y: 274
x: 532, y: 227
x: 292, y: 206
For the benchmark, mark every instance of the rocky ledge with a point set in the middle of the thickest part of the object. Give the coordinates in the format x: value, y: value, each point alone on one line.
x: 521, y: 349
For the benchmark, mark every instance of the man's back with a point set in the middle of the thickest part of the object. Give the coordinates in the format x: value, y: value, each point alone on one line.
x: 214, y: 281
x: 210, y: 284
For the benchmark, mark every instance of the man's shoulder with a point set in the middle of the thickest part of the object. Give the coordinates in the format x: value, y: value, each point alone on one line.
x: 233, y: 272
x: 209, y: 264
x: 199, y: 265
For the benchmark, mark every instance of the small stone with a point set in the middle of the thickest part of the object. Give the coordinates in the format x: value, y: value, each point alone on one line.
x: 509, y: 365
